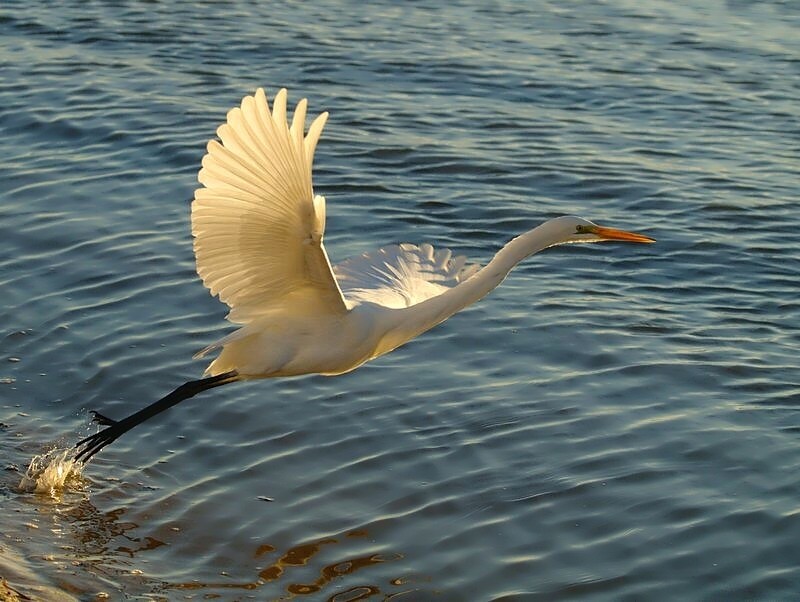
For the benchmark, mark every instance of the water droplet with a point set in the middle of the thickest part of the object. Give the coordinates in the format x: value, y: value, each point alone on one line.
x: 48, y: 473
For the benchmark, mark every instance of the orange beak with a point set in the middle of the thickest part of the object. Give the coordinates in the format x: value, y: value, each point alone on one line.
x: 614, y: 234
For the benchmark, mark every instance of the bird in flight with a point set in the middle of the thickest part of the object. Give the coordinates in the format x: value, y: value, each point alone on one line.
x: 258, y: 241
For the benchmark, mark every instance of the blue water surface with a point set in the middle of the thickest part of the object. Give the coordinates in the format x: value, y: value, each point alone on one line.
x: 614, y: 423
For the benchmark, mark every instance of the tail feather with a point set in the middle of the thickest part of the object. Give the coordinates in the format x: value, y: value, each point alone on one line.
x: 236, y: 335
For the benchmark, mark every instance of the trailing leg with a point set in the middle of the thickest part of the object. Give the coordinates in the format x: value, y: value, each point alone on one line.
x: 89, y: 446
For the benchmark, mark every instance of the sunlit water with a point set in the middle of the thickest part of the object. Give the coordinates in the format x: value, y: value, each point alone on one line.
x: 51, y: 472
x: 615, y: 422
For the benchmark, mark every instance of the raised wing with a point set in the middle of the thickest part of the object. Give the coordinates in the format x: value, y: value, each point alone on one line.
x: 257, y: 225
x: 401, y: 275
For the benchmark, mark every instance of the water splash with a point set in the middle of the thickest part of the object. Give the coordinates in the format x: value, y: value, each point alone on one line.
x: 51, y: 471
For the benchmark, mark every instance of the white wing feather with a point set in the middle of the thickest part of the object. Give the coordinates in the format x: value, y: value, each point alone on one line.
x: 258, y: 227
x: 401, y: 275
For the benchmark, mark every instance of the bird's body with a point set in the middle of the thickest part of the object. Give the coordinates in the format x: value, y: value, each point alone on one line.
x: 377, y: 319
x: 259, y: 231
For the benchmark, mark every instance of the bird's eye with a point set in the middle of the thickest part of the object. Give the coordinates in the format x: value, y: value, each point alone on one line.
x: 579, y: 229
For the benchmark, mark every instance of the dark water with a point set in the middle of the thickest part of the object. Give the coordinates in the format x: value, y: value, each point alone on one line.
x: 615, y: 422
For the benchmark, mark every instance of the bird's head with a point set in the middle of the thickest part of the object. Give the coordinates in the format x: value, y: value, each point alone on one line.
x: 570, y: 228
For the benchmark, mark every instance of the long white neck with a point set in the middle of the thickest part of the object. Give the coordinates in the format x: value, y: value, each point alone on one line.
x: 414, y: 320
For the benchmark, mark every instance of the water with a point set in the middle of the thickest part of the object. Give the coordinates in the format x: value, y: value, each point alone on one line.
x: 615, y: 422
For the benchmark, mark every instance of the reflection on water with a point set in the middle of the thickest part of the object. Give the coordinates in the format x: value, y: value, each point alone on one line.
x: 81, y: 538
x: 92, y: 546
x: 303, y: 555
x: 615, y: 423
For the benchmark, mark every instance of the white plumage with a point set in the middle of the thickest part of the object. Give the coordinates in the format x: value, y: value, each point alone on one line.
x: 257, y: 225
x: 401, y: 275
x: 259, y: 229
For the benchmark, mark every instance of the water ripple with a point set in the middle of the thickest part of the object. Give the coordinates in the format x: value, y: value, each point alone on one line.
x: 612, y: 423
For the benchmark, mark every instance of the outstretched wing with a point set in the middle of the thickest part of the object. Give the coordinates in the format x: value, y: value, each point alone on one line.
x: 257, y: 225
x: 401, y: 275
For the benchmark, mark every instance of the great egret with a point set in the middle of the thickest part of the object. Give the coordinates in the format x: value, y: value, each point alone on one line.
x: 258, y: 231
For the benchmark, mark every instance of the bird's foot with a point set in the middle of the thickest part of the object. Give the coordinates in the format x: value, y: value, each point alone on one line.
x: 89, y: 446
x: 100, y: 419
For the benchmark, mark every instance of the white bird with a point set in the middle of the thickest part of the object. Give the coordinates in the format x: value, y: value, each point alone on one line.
x: 258, y: 240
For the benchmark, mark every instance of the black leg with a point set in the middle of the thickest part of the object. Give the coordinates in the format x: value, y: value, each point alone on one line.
x: 89, y: 446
